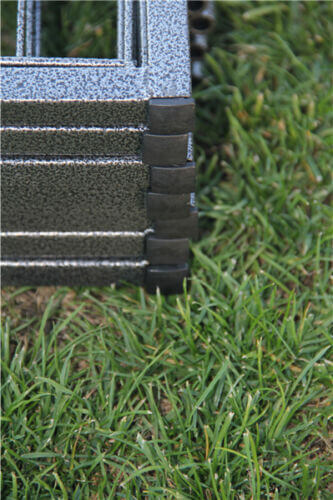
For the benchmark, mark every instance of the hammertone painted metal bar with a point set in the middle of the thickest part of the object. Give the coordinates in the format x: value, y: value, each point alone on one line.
x: 38, y: 26
x: 71, y: 140
x: 42, y: 161
x: 75, y: 263
x: 76, y: 234
x: 20, y: 32
x: 122, y: 245
x: 63, y: 62
x: 74, y: 194
x: 28, y: 34
x: 29, y: 30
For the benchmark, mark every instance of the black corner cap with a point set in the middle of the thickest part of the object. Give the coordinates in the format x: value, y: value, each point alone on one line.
x: 165, y: 149
x: 173, y: 180
x: 186, y: 227
x: 169, y: 279
x: 167, y: 251
x: 168, y: 206
x: 171, y: 115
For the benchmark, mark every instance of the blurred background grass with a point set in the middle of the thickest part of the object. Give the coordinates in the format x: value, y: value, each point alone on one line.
x: 69, y: 28
x: 226, y: 391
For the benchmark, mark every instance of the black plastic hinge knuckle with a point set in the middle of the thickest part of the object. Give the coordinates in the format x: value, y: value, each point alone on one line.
x: 167, y: 251
x: 186, y: 227
x: 165, y: 149
x: 168, y: 206
x: 172, y: 180
x: 171, y: 116
x: 169, y: 279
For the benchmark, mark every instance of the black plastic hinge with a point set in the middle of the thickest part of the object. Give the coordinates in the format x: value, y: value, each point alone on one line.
x: 164, y: 251
x: 162, y: 206
x: 186, y: 227
x: 165, y: 149
x: 169, y: 279
x: 172, y: 180
x: 171, y: 116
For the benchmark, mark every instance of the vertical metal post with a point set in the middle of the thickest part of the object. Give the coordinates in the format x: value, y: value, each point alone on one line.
x: 38, y: 22
x: 28, y: 34
x: 20, y: 32
x: 120, y: 29
x: 29, y: 28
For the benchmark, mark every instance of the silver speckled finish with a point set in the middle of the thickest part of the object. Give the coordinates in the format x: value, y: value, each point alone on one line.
x: 28, y: 33
x: 20, y: 32
x: 73, y: 181
x: 164, y: 69
x: 73, y: 244
x: 29, y: 141
x: 72, y: 272
x: 108, y: 114
x: 100, y: 194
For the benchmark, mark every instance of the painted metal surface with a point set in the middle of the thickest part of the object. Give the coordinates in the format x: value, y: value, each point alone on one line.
x: 74, y: 183
x: 74, y: 194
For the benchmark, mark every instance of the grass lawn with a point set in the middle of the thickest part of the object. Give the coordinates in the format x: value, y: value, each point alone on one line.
x: 222, y: 392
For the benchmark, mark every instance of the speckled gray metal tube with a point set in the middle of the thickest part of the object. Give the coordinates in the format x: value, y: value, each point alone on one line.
x: 82, y: 194
x: 28, y: 33
x: 73, y: 244
x: 71, y: 272
x: 20, y: 32
x: 93, y: 113
x: 32, y: 141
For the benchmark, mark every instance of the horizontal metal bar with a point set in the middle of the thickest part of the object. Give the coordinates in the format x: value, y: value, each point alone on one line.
x: 74, y: 263
x: 71, y: 140
x: 72, y: 245
x: 78, y: 130
x: 76, y: 234
x: 78, y: 162
x: 74, y: 194
x: 60, y: 61
x: 74, y: 83
x: 83, y: 273
x: 73, y: 113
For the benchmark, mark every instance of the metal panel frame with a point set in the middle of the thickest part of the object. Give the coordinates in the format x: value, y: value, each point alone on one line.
x: 161, y: 69
x: 153, y: 62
